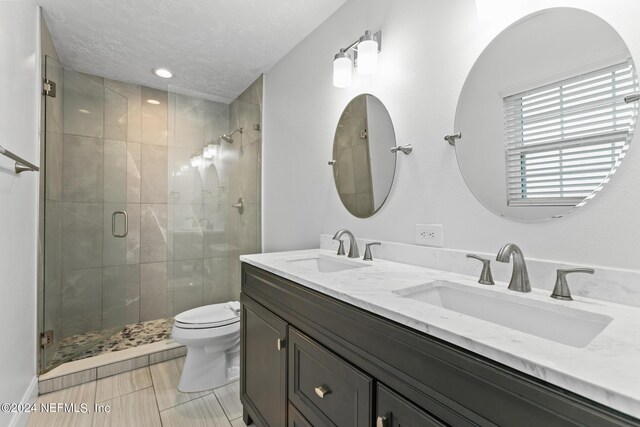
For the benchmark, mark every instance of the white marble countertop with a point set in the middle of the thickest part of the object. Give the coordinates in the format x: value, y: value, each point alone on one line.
x: 607, y: 370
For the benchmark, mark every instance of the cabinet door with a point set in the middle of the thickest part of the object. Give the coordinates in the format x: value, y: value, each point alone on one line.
x: 392, y: 410
x: 264, y: 365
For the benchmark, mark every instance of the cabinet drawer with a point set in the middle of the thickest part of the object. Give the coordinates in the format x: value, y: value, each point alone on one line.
x: 326, y: 389
x: 296, y: 419
x: 393, y: 410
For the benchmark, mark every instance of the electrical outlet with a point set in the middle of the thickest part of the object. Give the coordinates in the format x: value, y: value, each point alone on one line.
x: 429, y: 234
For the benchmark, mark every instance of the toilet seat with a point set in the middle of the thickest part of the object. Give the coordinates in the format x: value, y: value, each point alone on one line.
x: 208, y: 316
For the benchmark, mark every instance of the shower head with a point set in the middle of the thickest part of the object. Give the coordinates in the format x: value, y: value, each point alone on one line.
x: 227, y: 136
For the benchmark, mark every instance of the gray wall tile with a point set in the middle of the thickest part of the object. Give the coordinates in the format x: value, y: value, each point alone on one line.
x: 53, y: 166
x: 216, y: 281
x: 132, y: 94
x: 82, y: 235
x: 133, y: 238
x: 153, y: 288
x: 134, y: 168
x: 115, y: 171
x: 83, y: 104
x: 153, y: 233
x: 154, y: 117
x: 81, y: 304
x: 114, y: 293
x: 187, y: 285
x: 133, y: 294
x: 153, y: 174
x: 83, y: 169
x: 115, y: 115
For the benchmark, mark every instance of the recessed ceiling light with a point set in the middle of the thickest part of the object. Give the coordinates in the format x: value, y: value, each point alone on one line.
x: 162, y: 72
x: 153, y: 102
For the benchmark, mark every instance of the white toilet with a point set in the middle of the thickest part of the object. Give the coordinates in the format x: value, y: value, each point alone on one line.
x: 212, y: 336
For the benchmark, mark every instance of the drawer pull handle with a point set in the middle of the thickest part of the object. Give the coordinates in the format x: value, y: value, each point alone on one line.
x: 382, y: 421
x: 321, y: 391
x: 280, y: 344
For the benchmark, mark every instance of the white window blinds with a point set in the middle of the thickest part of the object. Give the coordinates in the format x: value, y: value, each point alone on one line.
x: 564, y: 140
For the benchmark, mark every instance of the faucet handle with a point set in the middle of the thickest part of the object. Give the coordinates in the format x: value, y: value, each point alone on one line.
x: 485, y: 276
x: 561, y: 290
x: 367, y: 251
x: 341, y: 247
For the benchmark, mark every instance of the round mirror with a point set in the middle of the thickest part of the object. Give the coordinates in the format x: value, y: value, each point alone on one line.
x: 363, y: 164
x: 546, y: 114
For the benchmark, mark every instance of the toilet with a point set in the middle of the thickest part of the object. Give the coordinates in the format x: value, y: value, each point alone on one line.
x: 212, y: 336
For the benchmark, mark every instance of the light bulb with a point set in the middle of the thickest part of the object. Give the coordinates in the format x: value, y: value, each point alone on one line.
x: 342, y: 67
x: 196, y: 161
x: 162, y: 72
x: 367, y: 54
x: 210, y: 151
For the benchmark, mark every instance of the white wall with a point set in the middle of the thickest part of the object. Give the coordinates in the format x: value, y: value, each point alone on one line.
x: 18, y: 201
x: 428, y: 48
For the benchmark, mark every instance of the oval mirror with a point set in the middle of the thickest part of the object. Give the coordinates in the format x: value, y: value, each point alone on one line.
x: 546, y: 114
x: 363, y: 164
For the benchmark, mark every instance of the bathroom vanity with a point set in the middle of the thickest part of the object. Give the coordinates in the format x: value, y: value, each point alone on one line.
x: 331, y: 341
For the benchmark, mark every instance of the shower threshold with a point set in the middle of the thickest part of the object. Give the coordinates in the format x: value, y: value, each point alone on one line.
x: 136, y: 346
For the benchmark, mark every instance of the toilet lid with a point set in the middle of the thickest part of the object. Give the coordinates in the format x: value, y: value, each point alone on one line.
x: 210, y: 316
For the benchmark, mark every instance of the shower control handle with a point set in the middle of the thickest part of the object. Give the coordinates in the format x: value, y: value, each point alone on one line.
x: 239, y: 206
x: 113, y: 224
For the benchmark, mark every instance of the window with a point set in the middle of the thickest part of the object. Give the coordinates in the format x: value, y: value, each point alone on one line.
x: 564, y: 140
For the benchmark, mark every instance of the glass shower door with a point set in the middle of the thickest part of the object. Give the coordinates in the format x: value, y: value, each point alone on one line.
x: 85, y: 220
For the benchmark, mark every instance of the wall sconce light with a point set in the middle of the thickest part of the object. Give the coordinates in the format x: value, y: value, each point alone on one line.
x: 365, y: 56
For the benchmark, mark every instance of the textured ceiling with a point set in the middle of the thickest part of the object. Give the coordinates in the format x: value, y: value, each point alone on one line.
x: 213, y: 46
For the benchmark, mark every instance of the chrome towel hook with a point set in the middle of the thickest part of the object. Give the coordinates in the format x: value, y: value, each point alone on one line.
x: 406, y: 149
x: 451, y: 139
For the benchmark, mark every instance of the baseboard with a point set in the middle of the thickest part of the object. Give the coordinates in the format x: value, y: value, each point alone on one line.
x: 20, y: 419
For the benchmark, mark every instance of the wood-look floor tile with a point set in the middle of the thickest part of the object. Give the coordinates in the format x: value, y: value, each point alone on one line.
x: 202, y: 412
x: 121, y: 384
x: 229, y: 397
x: 238, y: 423
x: 166, y: 376
x: 137, y: 409
x: 78, y: 395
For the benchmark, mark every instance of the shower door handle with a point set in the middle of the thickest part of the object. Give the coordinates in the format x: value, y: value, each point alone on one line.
x: 113, y: 224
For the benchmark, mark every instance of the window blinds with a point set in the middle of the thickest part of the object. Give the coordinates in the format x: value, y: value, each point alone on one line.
x: 565, y: 139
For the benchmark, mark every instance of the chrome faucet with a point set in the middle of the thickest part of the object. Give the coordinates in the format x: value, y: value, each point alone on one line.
x: 519, y: 278
x: 353, y: 245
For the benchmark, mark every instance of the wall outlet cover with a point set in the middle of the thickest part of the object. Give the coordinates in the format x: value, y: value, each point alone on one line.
x: 429, y: 234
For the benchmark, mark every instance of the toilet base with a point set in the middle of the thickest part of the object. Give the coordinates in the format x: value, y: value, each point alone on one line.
x: 204, y: 371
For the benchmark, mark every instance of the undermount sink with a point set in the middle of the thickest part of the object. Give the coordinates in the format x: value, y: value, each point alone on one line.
x: 323, y: 264
x: 565, y: 325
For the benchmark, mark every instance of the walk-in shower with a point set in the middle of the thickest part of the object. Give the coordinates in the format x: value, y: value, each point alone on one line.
x: 134, y: 232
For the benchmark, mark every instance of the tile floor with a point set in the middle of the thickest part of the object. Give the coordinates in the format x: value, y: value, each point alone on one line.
x: 141, y: 398
x: 130, y: 336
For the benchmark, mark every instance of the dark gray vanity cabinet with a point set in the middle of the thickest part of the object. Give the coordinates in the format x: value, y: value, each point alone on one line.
x: 347, y: 367
x: 264, y: 365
